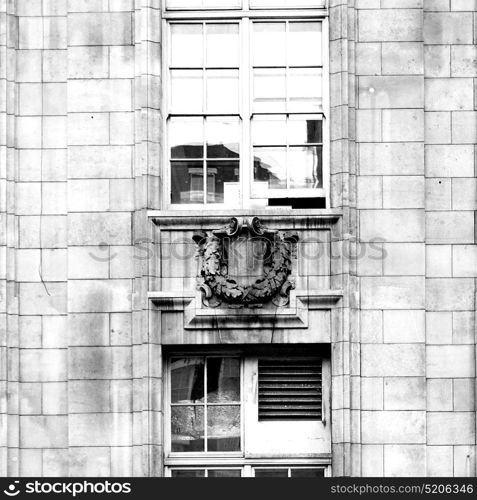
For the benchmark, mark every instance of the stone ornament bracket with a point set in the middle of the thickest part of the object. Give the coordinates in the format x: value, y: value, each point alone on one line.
x: 218, y: 287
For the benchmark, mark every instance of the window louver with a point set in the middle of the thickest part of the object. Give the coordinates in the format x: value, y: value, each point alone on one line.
x: 289, y: 389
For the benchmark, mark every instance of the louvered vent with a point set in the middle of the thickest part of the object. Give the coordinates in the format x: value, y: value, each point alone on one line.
x: 289, y: 389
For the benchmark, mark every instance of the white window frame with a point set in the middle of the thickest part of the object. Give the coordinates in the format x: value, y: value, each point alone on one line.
x: 245, y: 17
x: 236, y: 459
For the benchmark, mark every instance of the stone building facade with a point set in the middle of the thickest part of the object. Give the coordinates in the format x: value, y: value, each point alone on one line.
x: 98, y: 273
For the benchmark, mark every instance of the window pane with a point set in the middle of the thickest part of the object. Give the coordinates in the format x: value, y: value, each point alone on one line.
x: 187, y: 380
x: 304, y: 44
x: 224, y: 473
x: 222, y: 91
x: 269, y: 130
x: 269, y: 46
x: 186, y: 45
x: 304, y: 130
x: 269, y: 90
x: 187, y: 428
x: 270, y: 166
x: 305, y: 89
x: 223, y: 138
x: 223, y: 45
x: 305, y: 166
x: 271, y: 472
x: 197, y: 4
x: 186, y: 137
x: 187, y: 182
x: 223, y: 380
x: 188, y: 473
x: 223, y: 428
x: 222, y: 181
x: 307, y: 473
x: 186, y: 91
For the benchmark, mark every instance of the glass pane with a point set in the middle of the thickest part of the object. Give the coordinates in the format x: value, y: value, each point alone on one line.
x: 187, y: 380
x: 222, y: 4
x: 186, y: 45
x: 305, y: 167
x: 269, y: 130
x: 222, y: 179
x: 269, y: 45
x: 271, y: 472
x: 187, y: 428
x: 305, y: 89
x: 223, y: 137
x: 222, y: 91
x: 222, y: 45
x: 188, y: 473
x: 307, y: 473
x: 187, y: 182
x: 223, y: 428
x: 304, y: 130
x: 269, y: 90
x: 186, y: 91
x: 186, y: 137
x: 224, y: 473
x: 304, y: 44
x: 270, y: 166
x: 223, y: 380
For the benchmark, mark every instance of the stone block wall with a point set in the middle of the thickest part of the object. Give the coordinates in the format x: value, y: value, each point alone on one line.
x: 80, y: 165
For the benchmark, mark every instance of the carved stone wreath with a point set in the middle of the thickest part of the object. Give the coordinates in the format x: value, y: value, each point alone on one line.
x: 216, y: 284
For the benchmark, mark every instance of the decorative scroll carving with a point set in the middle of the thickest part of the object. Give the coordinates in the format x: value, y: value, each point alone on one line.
x: 216, y: 283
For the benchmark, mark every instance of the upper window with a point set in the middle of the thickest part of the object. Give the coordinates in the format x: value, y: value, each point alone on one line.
x: 246, y: 102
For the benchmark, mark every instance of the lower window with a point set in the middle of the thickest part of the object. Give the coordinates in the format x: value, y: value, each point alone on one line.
x: 246, y: 414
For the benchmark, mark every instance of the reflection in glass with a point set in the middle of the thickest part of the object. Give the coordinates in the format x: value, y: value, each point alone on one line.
x: 269, y: 130
x: 223, y: 380
x: 305, y: 167
x: 224, y: 473
x: 305, y: 131
x: 187, y: 182
x: 269, y: 90
x: 270, y: 166
x: 186, y: 45
x: 223, y: 139
x: 269, y: 44
x: 187, y: 428
x: 223, y: 428
x: 307, y: 473
x: 186, y: 91
x: 304, y: 44
x: 222, y: 45
x: 188, y: 473
x: 222, y: 91
x: 304, y: 89
x: 186, y: 137
x: 271, y: 472
x: 220, y: 175
x: 187, y: 380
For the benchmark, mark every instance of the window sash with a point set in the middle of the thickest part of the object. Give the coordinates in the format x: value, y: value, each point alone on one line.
x: 240, y: 5
x: 246, y: 197
x: 248, y: 469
